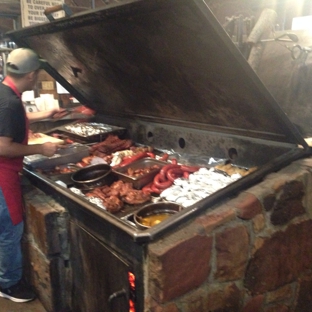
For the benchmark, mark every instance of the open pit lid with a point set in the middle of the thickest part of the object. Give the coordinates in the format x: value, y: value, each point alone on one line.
x: 169, y: 61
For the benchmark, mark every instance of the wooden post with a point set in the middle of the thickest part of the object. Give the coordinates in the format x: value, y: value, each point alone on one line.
x: 263, y: 28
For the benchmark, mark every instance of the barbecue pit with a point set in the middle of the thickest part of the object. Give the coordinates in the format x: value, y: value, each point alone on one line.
x: 167, y: 72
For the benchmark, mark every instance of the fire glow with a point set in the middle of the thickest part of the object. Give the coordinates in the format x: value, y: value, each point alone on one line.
x: 131, y: 279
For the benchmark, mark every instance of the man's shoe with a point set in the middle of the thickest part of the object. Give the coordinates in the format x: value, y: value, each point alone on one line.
x: 18, y: 293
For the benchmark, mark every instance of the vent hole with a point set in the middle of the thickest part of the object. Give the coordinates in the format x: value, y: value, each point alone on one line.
x: 150, y: 136
x: 181, y: 142
x: 233, y: 153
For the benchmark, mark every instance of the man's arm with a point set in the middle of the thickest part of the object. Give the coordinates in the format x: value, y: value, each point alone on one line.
x: 11, y: 149
x: 36, y: 116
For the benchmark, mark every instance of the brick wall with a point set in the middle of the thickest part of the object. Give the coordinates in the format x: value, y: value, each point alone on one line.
x: 47, y: 249
x: 252, y: 253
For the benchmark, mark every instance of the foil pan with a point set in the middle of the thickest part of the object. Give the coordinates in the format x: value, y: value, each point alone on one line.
x: 91, y: 131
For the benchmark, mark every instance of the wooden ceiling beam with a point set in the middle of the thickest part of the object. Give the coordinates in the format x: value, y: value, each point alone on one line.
x: 9, y: 13
x: 10, y: 9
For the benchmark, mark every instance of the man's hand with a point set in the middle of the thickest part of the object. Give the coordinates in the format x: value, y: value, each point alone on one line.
x: 49, y: 149
x: 59, y: 113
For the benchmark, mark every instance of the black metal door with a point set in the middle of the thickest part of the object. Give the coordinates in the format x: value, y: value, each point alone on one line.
x: 99, y: 276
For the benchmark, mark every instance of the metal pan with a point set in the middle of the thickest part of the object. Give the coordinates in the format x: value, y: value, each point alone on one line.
x: 93, y: 176
x: 140, y: 181
x: 152, y: 214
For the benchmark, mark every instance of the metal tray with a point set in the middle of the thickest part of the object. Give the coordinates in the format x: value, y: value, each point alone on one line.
x: 100, y: 131
x: 139, y: 182
x: 71, y: 154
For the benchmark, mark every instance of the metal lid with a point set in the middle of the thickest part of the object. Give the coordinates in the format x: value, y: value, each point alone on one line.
x: 169, y: 60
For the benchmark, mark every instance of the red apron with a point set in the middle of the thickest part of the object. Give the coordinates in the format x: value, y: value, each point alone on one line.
x: 10, y: 169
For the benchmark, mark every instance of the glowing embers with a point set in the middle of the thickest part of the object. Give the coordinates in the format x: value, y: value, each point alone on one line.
x: 131, y: 278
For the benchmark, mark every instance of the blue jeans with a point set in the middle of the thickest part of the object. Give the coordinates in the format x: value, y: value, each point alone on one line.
x: 11, y: 262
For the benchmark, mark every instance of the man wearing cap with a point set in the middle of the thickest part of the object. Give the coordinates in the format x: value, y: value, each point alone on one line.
x: 22, y: 72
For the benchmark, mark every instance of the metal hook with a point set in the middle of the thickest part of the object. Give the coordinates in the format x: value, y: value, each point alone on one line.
x: 297, y: 51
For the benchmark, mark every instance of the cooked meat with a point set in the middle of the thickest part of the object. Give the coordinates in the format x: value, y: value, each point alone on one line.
x: 114, y: 196
x: 135, y: 197
x: 113, y: 204
x: 122, y: 187
x: 110, y: 145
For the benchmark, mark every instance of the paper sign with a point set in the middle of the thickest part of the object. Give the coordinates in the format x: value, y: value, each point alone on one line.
x: 32, y: 11
x: 47, y: 85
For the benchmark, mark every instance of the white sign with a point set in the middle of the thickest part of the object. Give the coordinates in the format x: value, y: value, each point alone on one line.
x: 32, y: 11
x: 303, y: 22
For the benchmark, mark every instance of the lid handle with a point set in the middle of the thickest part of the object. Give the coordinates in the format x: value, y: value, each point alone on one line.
x: 49, y: 11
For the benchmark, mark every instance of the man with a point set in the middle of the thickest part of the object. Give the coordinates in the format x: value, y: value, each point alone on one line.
x: 22, y: 72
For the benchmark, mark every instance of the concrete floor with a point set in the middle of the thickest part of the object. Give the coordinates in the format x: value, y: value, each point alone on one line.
x: 32, y: 306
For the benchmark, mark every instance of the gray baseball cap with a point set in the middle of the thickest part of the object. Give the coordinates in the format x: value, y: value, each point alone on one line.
x: 23, y: 61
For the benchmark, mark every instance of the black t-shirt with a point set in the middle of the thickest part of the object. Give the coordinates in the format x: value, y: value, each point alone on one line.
x: 12, y: 115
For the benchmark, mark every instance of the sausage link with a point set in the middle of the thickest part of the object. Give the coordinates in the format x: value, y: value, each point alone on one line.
x: 190, y: 168
x: 164, y: 169
x: 186, y: 174
x: 164, y: 157
x: 155, y: 189
x: 174, y: 161
x: 161, y: 182
x: 129, y: 159
x: 147, y: 188
x: 174, y: 173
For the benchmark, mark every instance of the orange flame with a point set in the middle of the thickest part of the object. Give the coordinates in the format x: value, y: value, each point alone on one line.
x: 131, y: 278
